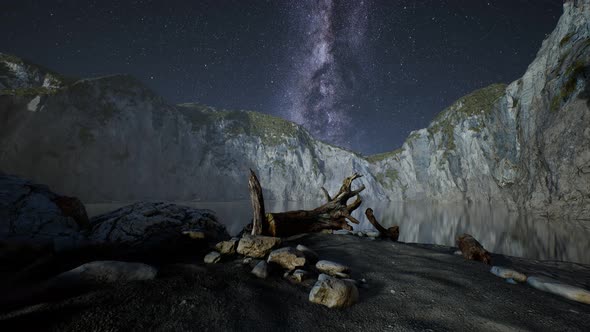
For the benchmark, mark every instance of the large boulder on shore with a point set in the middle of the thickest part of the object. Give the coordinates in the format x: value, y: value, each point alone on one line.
x: 147, y: 226
x: 32, y: 213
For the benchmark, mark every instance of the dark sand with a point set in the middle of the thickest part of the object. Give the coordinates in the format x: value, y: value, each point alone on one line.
x: 409, y: 287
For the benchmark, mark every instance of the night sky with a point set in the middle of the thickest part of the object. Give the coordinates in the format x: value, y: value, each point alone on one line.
x: 359, y: 74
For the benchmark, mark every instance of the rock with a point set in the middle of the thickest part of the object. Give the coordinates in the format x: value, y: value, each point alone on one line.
x: 326, y: 231
x: 511, y: 281
x: 260, y: 270
x: 341, y: 275
x: 333, y: 293
x: 310, y: 255
x: 101, y: 272
x: 212, y: 257
x: 299, y: 275
x: 156, y: 226
x: 247, y: 260
x: 373, y: 234
x: 332, y: 268
x: 341, y: 232
x: 32, y: 214
x: 558, y: 288
x: 288, y: 258
x: 360, y: 234
x: 227, y: 247
x: 506, y: 273
x: 458, y: 253
x: 257, y: 245
x: 195, y: 235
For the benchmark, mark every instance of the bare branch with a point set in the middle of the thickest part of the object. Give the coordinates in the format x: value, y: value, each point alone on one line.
x: 326, y: 194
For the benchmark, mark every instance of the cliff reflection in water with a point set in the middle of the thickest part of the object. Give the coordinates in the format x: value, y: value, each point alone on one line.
x: 497, y: 229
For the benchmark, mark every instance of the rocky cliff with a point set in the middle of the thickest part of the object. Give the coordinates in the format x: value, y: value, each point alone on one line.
x: 111, y: 138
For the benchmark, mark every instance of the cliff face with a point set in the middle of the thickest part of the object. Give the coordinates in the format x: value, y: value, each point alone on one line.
x: 525, y: 144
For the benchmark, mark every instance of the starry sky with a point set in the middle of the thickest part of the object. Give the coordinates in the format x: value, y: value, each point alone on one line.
x: 358, y: 74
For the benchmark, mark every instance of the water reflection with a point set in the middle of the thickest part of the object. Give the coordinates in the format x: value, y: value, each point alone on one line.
x: 494, y: 226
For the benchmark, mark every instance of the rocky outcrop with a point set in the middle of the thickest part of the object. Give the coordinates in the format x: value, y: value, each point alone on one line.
x: 525, y: 144
x: 31, y: 213
x: 155, y: 226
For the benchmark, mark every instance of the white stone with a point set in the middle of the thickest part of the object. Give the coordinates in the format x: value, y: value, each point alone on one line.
x: 333, y: 293
x: 260, y: 270
x: 558, y: 288
x: 288, y: 258
x: 506, y: 273
x: 332, y: 268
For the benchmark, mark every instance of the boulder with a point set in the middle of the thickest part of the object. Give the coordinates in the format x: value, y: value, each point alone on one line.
x: 212, y: 257
x: 102, y: 272
x: 333, y: 268
x: 288, y: 258
x: 260, y: 270
x: 558, y: 288
x: 146, y: 226
x: 31, y: 213
x: 227, y: 247
x: 506, y: 273
x: 310, y: 255
x: 257, y: 245
x: 333, y: 293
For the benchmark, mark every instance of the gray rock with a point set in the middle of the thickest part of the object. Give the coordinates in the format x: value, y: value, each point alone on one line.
x: 558, y: 288
x: 288, y: 258
x: 341, y: 232
x: 148, y: 225
x: 212, y: 257
x: 33, y: 214
x: 506, y: 273
x: 101, y: 272
x: 373, y: 234
x: 261, y: 270
x: 333, y: 293
x: 333, y: 268
x: 257, y: 246
x: 360, y: 234
x: 310, y: 255
x: 300, y: 275
x: 227, y: 247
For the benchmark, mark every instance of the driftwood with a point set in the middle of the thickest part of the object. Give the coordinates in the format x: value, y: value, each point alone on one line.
x: 332, y: 215
x: 389, y: 233
x: 472, y: 249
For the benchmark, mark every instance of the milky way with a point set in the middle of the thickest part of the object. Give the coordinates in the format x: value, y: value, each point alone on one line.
x: 327, y: 68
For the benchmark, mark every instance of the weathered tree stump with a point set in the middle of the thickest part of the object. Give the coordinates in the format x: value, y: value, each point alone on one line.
x: 389, y: 233
x: 472, y: 249
x: 332, y: 215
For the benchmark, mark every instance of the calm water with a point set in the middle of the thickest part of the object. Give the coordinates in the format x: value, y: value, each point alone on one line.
x: 497, y: 229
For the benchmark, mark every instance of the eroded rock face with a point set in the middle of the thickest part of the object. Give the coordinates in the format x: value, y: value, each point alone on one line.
x: 257, y: 246
x: 288, y: 258
x: 100, y: 272
x: 333, y: 293
x: 31, y: 213
x: 153, y: 225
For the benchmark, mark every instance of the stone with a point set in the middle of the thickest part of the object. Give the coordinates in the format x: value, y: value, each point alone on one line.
x: 333, y: 293
x: 310, y: 255
x: 257, y: 245
x: 102, y: 272
x: 153, y: 226
x: 212, y: 257
x: 194, y: 234
x: 332, y: 268
x: 360, y: 234
x: 33, y: 214
x: 373, y: 234
x: 341, y: 275
x: 289, y: 258
x: 341, y: 232
x: 247, y: 260
x: 506, y: 273
x: 299, y: 275
x: 558, y: 288
x: 260, y: 270
x: 227, y: 247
